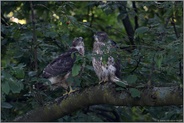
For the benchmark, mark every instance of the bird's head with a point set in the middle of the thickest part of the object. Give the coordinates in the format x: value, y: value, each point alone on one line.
x: 100, y: 37
x: 78, y: 44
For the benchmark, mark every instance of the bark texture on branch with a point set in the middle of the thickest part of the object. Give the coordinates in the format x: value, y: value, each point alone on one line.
x: 104, y: 94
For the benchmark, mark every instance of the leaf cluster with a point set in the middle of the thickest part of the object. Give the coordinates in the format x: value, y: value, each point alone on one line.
x: 155, y: 57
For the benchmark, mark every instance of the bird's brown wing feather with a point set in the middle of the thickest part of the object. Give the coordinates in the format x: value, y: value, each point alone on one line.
x: 61, y: 65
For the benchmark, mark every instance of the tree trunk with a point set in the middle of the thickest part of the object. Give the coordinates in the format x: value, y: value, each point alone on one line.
x: 127, y: 24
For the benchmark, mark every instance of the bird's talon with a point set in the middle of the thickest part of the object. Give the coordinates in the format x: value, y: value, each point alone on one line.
x: 66, y: 93
x: 100, y: 82
x: 71, y: 91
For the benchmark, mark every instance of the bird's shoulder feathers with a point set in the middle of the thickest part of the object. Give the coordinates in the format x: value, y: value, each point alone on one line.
x: 61, y: 65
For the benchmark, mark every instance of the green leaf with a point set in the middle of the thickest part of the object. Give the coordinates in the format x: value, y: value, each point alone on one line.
x: 72, y: 55
x: 34, y: 79
x: 75, y: 69
x: 141, y: 30
x: 19, y: 73
x: 89, y: 67
x: 159, y: 60
x: 32, y: 73
x: 131, y: 79
x: 50, y: 34
x: 78, y: 58
x: 77, y: 81
x: 135, y: 92
x: 72, y: 19
x: 119, y: 89
x: 15, y: 86
x: 5, y: 87
x: 5, y: 75
x: 120, y: 84
x: 6, y: 105
x: 44, y: 80
x: 140, y: 86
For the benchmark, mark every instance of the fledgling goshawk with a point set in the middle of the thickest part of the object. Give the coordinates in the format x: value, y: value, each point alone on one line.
x: 60, y: 68
x: 110, y: 69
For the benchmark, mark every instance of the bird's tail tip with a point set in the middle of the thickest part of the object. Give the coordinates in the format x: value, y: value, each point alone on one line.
x: 118, y: 80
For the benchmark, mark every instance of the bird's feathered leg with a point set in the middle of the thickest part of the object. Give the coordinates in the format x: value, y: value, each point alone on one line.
x: 112, y: 69
x: 104, y: 76
x: 69, y: 89
x: 66, y: 87
x: 60, y: 81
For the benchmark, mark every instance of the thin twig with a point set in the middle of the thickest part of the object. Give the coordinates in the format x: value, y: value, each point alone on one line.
x: 137, y: 65
x: 92, y: 18
x: 174, y: 26
x: 34, y: 48
x: 180, y: 61
x: 142, y: 46
x: 41, y: 5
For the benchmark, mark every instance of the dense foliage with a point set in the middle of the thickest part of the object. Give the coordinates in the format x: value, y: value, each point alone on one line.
x: 33, y: 33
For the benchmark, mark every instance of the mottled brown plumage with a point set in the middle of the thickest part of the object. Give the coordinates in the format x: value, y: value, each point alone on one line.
x: 60, y: 68
x: 110, y: 69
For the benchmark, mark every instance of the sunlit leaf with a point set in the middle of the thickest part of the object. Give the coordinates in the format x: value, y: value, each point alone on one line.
x: 89, y: 67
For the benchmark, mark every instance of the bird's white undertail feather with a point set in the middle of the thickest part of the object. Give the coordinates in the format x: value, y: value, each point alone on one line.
x: 54, y: 83
x: 53, y: 80
x: 58, y: 81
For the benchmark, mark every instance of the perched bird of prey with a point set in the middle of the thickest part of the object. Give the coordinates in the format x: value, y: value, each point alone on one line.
x: 110, y: 69
x: 60, y: 68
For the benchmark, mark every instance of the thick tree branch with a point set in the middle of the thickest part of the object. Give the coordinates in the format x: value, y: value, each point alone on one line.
x: 104, y: 94
x: 136, y: 17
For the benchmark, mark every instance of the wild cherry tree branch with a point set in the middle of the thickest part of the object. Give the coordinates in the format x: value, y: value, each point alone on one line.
x: 104, y: 94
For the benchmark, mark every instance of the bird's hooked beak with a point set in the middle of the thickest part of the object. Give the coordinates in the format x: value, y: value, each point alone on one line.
x: 78, y: 44
x: 81, y: 38
x: 95, y: 37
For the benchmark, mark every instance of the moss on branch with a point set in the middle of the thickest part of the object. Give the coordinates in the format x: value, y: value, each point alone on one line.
x: 104, y: 94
